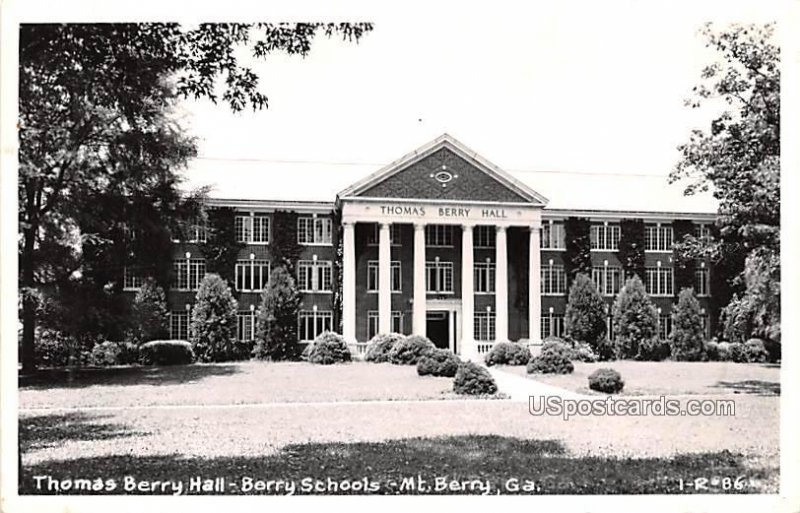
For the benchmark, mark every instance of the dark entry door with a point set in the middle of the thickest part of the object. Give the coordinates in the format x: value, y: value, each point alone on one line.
x: 438, y: 329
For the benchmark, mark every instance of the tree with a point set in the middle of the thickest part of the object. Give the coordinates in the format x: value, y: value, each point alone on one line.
x: 98, y: 146
x: 221, y: 249
x: 150, y: 313
x: 577, y: 254
x: 756, y: 313
x: 687, y: 337
x: 631, y: 247
x: 213, y: 325
x: 276, y: 330
x: 635, y: 318
x: 585, y: 316
x: 738, y: 156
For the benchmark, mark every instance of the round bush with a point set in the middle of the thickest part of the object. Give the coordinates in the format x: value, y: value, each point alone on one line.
x: 438, y: 362
x: 654, y: 350
x: 410, y: 350
x: 711, y: 351
x: 606, y: 380
x: 329, y: 348
x: 582, y: 352
x: 381, y: 345
x: 508, y: 353
x: 472, y: 379
x: 166, y: 352
x: 731, y: 352
x: 105, y: 353
x: 554, y: 359
x: 52, y: 348
x: 755, y: 352
x: 606, y: 350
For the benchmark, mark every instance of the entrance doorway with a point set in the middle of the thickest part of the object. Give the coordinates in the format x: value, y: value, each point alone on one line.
x: 438, y: 329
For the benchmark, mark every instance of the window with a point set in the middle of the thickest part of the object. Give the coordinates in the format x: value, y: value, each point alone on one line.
x: 373, y: 280
x: 552, y: 236
x: 253, y: 229
x: 484, y: 236
x: 179, y: 326
x: 245, y: 326
x: 440, y: 235
x: 132, y: 279
x: 314, y: 230
x: 554, y: 281
x: 439, y: 277
x: 373, y: 236
x: 658, y: 281
x: 484, y: 326
x: 706, y: 327
x: 607, y: 279
x: 188, y: 273
x: 314, y: 275
x: 484, y: 277
x: 664, y: 326
x: 605, y: 237
x: 552, y: 325
x: 373, y: 321
x: 252, y: 275
x: 311, y: 323
x: 658, y: 238
x: 702, y: 231
x: 701, y: 281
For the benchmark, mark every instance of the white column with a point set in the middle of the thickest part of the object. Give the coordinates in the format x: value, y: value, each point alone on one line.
x: 349, y: 283
x: 420, y: 309
x: 467, y: 293
x: 384, y: 281
x: 534, y: 287
x: 501, y: 285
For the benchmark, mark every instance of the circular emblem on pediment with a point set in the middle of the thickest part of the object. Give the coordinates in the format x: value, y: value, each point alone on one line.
x: 443, y: 176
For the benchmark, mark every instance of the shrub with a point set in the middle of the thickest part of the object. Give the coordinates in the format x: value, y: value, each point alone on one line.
x: 773, y: 350
x: 755, y: 352
x: 606, y: 380
x: 585, y: 316
x: 654, y: 350
x: 731, y: 352
x: 329, y: 348
x: 213, y: 325
x: 606, y: 350
x: 711, y: 351
x: 472, y: 379
x: 686, y: 339
x: 53, y: 348
x: 583, y: 352
x: 438, y: 362
x: 410, y: 350
x: 554, y: 359
x: 128, y: 353
x: 635, y: 318
x: 381, y: 345
x: 276, y: 330
x: 508, y: 353
x: 166, y: 352
x: 150, y: 315
x: 105, y: 353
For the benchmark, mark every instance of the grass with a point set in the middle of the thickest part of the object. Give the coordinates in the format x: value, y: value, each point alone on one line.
x: 672, y: 378
x: 439, y: 465
x: 230, y: 383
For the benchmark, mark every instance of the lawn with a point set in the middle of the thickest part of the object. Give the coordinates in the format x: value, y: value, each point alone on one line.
x: 672, y: 378
x: 249, y: 382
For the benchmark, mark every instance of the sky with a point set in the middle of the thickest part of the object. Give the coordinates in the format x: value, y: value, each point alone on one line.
x: 569, y: 87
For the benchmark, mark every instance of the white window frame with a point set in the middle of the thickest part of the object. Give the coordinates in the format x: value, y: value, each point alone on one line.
x: 179, y: 324
x: 373, y: 236
x: 603, y: 278
x: 484, y: 236
x: 248, y: 223
x: 321, y: 273
x: 552, y: 324
x: 442, y: 270
x: 316, y: 318
x: 252, y: 264
x: 246, y: 322
x: 439, y: 235
x: 664, y: 326
x: 605, y: 237
x: 553, y: 274
x: 186, y: 270
x: 553, y: 236
x: 396, y: 277
x: 702, y: 281
x: 485, y: 325
x: 702, y: 231
x: 131, y: 280
x: 660, y: 281
x: 314, y: 230
x: 373, y: 322
x: 658, y: 238
x: 485, y: 277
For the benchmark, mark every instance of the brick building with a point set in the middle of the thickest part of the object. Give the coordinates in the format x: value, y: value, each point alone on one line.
x: 442, y: 242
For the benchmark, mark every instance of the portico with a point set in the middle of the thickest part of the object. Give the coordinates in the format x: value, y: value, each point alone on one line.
x: 461, y: 196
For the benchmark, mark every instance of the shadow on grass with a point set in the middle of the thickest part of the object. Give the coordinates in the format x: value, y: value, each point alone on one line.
x: 493, y: 460
x: 43, y: 431
x: 121, y: 376
x: 751, y: 386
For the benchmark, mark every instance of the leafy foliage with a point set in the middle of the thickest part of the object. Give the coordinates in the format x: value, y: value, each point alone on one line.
x: 221, y: 249
x: 285, y: 250
x: 606, y: 380
x: 438, y: 362
x: 631, y: 247
x: 508, y: 353
x: 683, y: 266
x: 409, y: 350
x: 276, y: 330
x: 654, y: 350
x: 329, y: 348
x: 381, y: 346
x: 577, y: 255
x: 635, y: 318
x: 555, y: 358
x: 472, y: 379
x: 687, y: 337
x: 757, y: 311
x: 213, y: 324
x: 166, y: 352
x: 585, y: 316
x: 150, y: 313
